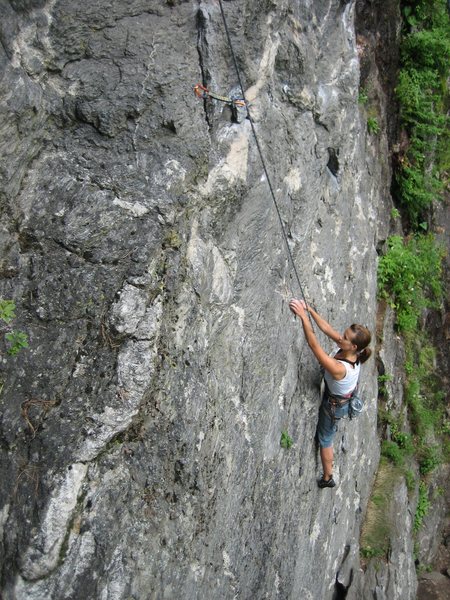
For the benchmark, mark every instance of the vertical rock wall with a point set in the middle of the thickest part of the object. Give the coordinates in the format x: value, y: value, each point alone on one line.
x: 140, y: 433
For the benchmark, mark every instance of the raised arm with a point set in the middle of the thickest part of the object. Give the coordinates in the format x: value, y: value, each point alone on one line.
x: 334, y: 367
x: 324, y: 325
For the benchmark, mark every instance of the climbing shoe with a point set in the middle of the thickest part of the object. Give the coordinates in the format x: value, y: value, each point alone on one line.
x: 323, y: 483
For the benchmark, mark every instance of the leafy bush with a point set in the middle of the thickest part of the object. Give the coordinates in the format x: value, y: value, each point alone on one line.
x: 429, y: 458
x: 402, y: 439
x: 382, y: 380
x: 409, y: 276
x: 400, y: 445
x: 423, y: 97
x: 427, y: 49
x: 410, y: 272
x: 425, y: 13
x: 372, y: 126
x: 423, y: 506
x: 423, y: 391
x: 363, y: 96
x: 392, y: 451
x: 418, y: 189
x: 419, y: 100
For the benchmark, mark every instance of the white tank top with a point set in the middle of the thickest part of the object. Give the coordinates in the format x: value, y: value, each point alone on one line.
x: 344, y: 386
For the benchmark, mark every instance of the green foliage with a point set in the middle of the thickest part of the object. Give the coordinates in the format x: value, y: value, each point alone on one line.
x: 423, y: 506
x: 285, y: 441
x: 410, y: 272
x: 421, y: 418
x: 423, y: 98
x: 363, y: 96
x: 382, y: 380
x: 400, y: 445
x: 395, y: 213
x: 430, y: 457
x: 7, y: 310
x: 392, y: 451
x: 410, y: 480
x: 419, y: 101
x: 423, y: 393
x: 427, y: 50
x: 372, y: 126
x: 16, y: 340
x: 409, y: 277
x: 368, y: 552
x: 425, y: 13
x: 426, y: 405
x: 421, y: 569
x: 402, y: 439
x: 418, y: 188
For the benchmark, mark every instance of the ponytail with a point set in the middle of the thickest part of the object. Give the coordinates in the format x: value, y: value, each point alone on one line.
x: 364, y: 355
x: 362, y: 339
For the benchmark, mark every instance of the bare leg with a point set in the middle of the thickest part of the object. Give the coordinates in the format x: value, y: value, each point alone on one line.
x: 326, y: 456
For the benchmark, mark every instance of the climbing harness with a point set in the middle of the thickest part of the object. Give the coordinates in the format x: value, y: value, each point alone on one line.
x: 202, y: 92
x: 246, y: 104
x: 334, y: 401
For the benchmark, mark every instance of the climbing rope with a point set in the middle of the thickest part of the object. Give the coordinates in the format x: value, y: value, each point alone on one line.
x: 201, y: 92
x: 262, y: 156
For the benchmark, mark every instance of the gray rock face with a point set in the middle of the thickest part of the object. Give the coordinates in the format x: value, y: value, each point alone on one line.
x: 140, y: 433
x: 395, y: 578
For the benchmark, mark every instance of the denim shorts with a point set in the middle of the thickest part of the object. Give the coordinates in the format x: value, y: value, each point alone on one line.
x: 327, y: 426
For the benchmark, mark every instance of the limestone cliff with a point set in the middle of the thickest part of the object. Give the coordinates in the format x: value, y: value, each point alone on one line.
x: 140, y: 432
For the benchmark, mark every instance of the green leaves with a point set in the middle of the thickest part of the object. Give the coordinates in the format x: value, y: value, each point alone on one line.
x: 428, y: 49
x: 363, y: 96
x: 423, y: 98
x: 372, y: 126
x: 285, y: 441
x: 16, y: 340
x: 423, y: 506
x: 7, y: 310
x: 409, y: 277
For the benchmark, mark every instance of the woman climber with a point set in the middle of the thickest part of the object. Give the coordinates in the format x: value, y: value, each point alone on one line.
x: 341, y: 377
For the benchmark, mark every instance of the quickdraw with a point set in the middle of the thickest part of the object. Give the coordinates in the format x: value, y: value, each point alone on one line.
x: 202, y: 92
